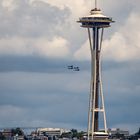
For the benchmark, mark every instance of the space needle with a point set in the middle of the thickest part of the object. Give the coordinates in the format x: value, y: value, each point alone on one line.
x: 95, y: 24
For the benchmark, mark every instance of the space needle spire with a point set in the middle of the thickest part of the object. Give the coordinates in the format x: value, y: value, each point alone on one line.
x: 95, y: 23
x: 95, y: 4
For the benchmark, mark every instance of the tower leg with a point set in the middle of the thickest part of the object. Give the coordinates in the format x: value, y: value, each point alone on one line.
x: 96, y: 100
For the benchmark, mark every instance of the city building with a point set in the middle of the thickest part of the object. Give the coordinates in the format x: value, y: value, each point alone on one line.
x: 52, y: 131
x: 118, y: 133
x: 7, y: 133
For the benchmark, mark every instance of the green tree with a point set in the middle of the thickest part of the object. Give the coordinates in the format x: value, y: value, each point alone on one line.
x: 66, y: 135
x: 74, y: 133
x: 80, y: 135
x: 2, y: 137
x: 17, y: 131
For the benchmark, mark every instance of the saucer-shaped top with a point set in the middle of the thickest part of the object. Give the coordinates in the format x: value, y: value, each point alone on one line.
x: 95, y: 19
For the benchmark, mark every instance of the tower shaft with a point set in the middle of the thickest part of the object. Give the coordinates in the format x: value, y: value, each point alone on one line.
x: 97, y: 81
x: 96, y: 103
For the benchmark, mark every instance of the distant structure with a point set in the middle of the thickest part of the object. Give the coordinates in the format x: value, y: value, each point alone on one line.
x: 96, y: 22
x: 116, y: 133
x: 52, y: 131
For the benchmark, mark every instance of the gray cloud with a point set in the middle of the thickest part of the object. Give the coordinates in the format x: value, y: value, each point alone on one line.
x: 38, y: 64
x: 61, y: 99
x: 121, y: 87
x: 41, y: 97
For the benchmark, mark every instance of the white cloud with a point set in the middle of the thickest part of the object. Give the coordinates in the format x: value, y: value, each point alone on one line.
x: 9, y: 4
x: 57, y: 47
x: 72, y: 5
x: 124, y: 44
x: 83, y: 53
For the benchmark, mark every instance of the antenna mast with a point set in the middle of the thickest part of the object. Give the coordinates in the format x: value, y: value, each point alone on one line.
x: 95, y: 4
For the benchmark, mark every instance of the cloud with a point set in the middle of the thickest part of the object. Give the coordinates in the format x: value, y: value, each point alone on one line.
x: 29, y: 29
x: 41, y: 64
x: 55, y: 48
x: 122, y: 95
x: 35, y: 27
x: 83, y: 53
x: 43, y: 20
x: 72, y: 5
x: 124, y: 44
x: 32, y: 96
x: 10, y: 114
x: 10, y: 5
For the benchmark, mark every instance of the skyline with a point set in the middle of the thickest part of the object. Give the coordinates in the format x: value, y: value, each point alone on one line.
x: 40, y: 38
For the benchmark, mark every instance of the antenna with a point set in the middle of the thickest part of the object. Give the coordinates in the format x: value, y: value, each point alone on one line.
x: 95, y: 4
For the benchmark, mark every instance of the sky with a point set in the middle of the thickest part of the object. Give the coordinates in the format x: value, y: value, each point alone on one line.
x: 40, y: 38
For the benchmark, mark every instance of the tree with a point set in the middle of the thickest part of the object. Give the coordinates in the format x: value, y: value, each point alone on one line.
x: 77, y: 134
x: 74, y: 133
x: 66, y: 135
x: 2, y: 137
x: 138, y: 132
x: 17, y: 131
x: 80, y: 135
